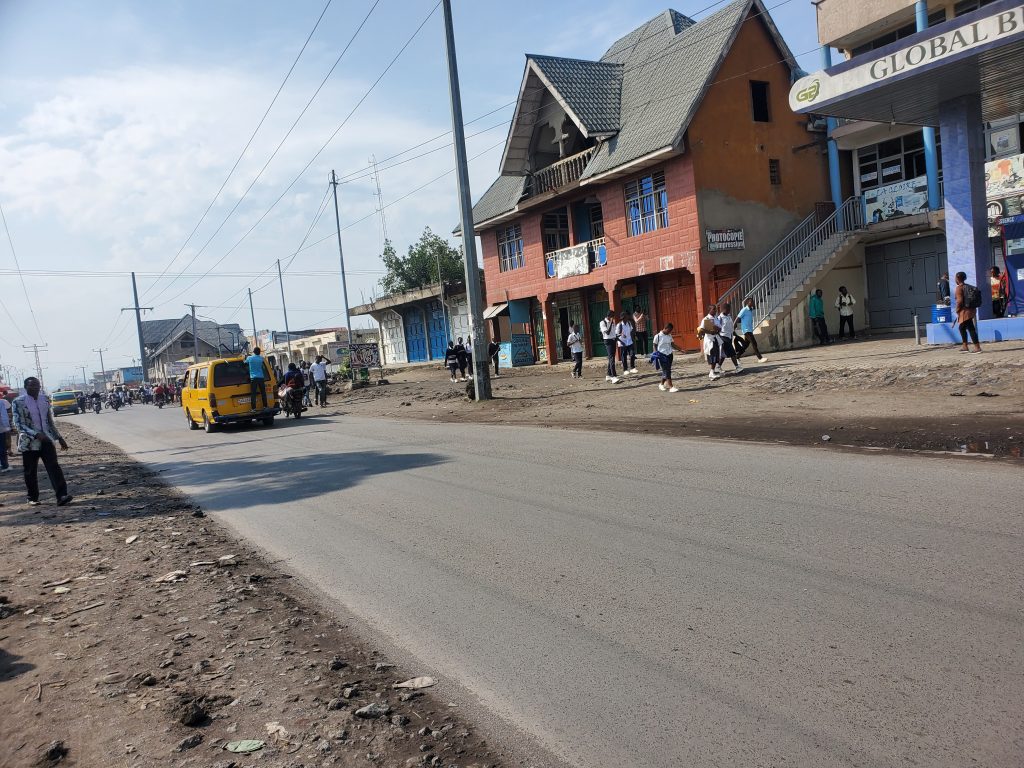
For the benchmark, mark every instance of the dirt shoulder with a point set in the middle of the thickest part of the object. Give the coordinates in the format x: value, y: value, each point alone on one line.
x: 135, y: 631
x: 880, y: 394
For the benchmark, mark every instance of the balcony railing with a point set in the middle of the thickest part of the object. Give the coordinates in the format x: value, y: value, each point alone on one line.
x: 560, y: 174
x: 579, y: 259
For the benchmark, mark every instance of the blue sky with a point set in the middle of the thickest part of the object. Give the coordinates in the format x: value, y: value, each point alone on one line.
x: 120, y: 120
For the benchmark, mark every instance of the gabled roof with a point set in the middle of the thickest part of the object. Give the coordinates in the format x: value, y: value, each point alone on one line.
x: 206, y: 331
x: 155, y: 331
x: 662, y: 70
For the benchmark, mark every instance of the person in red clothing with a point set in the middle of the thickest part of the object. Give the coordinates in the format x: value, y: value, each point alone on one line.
x: 965, y: 312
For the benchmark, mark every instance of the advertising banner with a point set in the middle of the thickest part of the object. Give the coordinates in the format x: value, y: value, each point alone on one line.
x: 572, y: 261
x: 894, y: 200
x: 131, y: 375
x: 365, y: 356
x: 522, y: 349
x: 1004, y: 190
x: 725, y: 239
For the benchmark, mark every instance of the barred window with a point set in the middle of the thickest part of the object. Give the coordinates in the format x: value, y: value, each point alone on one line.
x: 510, y: 247
x: 647, y: 204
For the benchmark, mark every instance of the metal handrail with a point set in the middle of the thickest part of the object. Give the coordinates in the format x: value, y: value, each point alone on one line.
x: 781, y: 271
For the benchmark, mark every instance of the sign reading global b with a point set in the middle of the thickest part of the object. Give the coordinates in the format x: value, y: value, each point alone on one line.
x: 821, y: 87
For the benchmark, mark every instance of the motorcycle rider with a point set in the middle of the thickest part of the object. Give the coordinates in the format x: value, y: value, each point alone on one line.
x: 160, y: 395
x: 295, y: 384
x: 97, y: 401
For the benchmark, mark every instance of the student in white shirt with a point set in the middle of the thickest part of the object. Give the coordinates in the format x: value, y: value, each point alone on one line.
x: 844, y: 303
x: 318, y: 371
x: 710, y: 333
x: 575, y: 344
x: 627, y: 349
x: 610, y: 334
x: 665, y: 346
x: 728, y: 326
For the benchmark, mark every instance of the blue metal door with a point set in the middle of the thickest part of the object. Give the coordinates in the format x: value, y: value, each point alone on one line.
x: 415, y: 335
x: 436, y: 329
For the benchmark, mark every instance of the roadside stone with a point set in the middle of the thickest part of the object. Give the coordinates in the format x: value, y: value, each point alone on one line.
x: 336, y: 663
x: 336, y: 704
x: 191, y: 714
x: 348, y: 693
x: 373, y: 711
x: 189, y: 742
x: 399, y: 720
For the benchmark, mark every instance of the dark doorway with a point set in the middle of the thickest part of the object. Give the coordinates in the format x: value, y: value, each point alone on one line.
x: 563, y: 325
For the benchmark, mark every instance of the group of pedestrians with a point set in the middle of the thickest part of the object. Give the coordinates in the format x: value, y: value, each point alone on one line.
x: 458, y: 358
x: 844, y: 303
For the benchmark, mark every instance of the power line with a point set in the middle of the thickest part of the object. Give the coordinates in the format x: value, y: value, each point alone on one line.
x: 21, y: 277
x: 312, y: 160
x: 277, y: 148
x: 249, y: 142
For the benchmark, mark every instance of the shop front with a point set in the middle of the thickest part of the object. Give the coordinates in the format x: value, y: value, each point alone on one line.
x: 957, y: 76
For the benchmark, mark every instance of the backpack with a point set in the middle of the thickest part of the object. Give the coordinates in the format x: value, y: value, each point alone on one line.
x: 972, y: 296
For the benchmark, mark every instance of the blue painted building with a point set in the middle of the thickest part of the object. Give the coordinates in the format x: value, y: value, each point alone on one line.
x: 924, y: 110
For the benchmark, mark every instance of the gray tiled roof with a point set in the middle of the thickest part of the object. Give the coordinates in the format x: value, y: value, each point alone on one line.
x: 666, y: 65
x: 665, y: 79
x: 500, y: 197
x: 591, y: 89
x: 155, y: 331
x: 206, y: 330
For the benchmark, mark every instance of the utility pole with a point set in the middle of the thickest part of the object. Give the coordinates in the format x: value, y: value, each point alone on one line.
x: 103, y: 368
x: 380, y: 199
x: 252, y: 313
x: 138, y: 325
x: 344, y: 287
x: 195, y: 338
x: 85, y: 380
x: 284, y: 308
x: 39, y: 366
x: 481, y: 367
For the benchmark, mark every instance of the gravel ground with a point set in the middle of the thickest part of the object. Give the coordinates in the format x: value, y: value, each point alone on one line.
x: 135, y: 631
x: 878, y: 394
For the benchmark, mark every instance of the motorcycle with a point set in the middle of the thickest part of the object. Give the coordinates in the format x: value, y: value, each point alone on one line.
x: 115, y: 403
x: 97, y: 405
x: 293, y: 402
x: 160, y: 401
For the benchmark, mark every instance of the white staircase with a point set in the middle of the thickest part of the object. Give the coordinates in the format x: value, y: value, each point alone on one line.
x: 785, y: 275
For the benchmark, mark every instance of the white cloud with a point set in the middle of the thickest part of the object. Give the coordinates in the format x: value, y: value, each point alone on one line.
x: 111, y: 171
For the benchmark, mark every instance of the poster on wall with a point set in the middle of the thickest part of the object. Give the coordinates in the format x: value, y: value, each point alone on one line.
x: 725, y: 239
x: 572, y: 261
x: 904, y: 198
x: 522, y: 349
x: 365, y: 356
x: 1004, y: 190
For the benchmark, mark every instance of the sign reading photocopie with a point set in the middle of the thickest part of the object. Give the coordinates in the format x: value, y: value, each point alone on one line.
x: 813, y: 90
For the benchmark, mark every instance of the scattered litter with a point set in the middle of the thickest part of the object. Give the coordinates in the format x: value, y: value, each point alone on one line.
x: 825, y: 438
x: 61, y: 590
x: 243, y: 746
x: 201, y: 563
x: 227, y: 560
x: 987, y: 394
x: 277, y: 732
x: 114, y: 678
x: 57, y: 583
x: 173, y: 576
x: 956, y: 394
x: 695, y: 401
x: 131, y: 539
x: 416, y: 683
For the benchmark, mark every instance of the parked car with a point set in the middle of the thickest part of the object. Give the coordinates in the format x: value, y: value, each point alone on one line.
x: 217, y: 392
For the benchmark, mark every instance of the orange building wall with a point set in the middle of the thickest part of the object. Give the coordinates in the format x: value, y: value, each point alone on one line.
x: 730, y: 151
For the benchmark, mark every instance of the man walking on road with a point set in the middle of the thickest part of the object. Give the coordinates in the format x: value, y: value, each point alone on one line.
x: 257, y: 378
x: 968, y: 299
x: 610, y: 334
x: 745, y: 318
x: 575, y: 343
x: 5, y: 434
x: 37, y: 432
x: 318, y: 371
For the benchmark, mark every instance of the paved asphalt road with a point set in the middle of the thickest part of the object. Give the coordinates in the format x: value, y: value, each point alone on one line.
x: 651, y: 601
